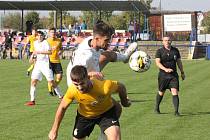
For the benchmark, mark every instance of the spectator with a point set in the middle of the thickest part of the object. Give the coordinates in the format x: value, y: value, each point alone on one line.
x: 77, y: 28
x: 83, y: 26
x: 8, y: 43
x: 131, y: 30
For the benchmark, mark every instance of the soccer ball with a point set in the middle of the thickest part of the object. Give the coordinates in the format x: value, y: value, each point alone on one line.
x: 139, y: 61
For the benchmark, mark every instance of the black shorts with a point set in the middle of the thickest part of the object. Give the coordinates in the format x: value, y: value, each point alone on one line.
x: 168, y: 83
x: 30, y: 53
x: 56, y: 68
x: 84, y: 126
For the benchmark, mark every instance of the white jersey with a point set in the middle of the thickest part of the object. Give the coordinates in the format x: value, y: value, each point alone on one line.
x: 86, y: 56
x: 42, y: 65
x: 42, y: 46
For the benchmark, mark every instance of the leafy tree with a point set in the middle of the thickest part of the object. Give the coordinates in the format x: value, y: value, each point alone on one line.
x: 119, y: 21
x: 34, y: 17
x: 92, y: 16
x: 148, y: 3
x: 12, y: 20
x: 206, y: 23
x: 66, y: 19
x: 44, y: 22
x: 89, y: 17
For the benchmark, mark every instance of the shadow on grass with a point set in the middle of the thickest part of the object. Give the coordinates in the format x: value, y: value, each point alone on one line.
x: 139, y: 92
x: 195, y: 114
x: 136, y: 101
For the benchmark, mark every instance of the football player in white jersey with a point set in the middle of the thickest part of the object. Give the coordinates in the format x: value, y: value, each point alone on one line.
x: 93, y: 54
x: 42, y: 66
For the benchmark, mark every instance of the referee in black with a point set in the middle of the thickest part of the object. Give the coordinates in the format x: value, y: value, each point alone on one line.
x: 166, y: 58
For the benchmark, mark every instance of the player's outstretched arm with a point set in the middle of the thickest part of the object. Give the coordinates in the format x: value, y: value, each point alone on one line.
x: 123, y: 95
x: 58, y: 118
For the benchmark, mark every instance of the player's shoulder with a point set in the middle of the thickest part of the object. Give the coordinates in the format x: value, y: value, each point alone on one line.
x: 174, y: 48
x: 58, y: 39
x: 45, y: 41
x: 83, y: 52
x: 105, y: 82
x: 159, y: 50
x: 72, y: 89
x: 30, y: 36
x: 36, y: 41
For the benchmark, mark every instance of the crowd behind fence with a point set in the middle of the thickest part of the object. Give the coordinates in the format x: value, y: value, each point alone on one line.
x: 18, y: 41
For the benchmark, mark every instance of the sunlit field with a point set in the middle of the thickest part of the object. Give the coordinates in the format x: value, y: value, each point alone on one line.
x: 139, y: 122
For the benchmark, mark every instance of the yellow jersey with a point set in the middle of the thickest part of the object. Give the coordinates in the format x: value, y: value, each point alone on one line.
x: 31, y: 39
x: 97, y: 101
x: 56, y: 46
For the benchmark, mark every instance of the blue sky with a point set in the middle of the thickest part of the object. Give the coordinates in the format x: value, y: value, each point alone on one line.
x: 188, y: 5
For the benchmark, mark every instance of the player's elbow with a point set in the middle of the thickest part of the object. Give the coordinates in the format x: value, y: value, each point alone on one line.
x: 121, y: 87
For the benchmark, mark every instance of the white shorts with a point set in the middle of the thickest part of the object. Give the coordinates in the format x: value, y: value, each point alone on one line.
x: 42, y: 68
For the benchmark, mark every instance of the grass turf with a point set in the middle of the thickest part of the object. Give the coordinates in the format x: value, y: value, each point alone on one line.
x: 19, y: 122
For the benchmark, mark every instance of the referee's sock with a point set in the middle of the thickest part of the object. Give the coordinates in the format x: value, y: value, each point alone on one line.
x: 158, y: 101
x: 176, y: 103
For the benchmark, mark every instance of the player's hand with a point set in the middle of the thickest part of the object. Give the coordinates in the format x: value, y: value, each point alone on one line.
x: 167, y: 70
x: 52, y: 135
x: 182, y: 76
x: 34, y: 53
x: 97, y: 75
x: 60, y: 53
x: 126, y: 103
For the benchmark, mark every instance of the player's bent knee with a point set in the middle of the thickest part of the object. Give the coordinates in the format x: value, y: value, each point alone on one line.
x: 34, y: 82
x: 78, y: 139
x: 174, y: 91
x: 113, y: 132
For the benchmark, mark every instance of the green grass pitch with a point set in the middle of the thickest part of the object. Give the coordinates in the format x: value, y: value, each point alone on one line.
x: 19, y: 122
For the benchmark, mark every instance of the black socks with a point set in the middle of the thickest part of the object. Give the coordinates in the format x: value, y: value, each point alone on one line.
x: 176, y: 103
x: 158, y: 100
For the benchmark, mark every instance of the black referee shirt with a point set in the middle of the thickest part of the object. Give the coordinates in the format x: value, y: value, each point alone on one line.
x: 168, y: 59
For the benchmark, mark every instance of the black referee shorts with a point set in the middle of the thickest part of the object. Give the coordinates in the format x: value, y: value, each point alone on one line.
x: 84, y: 126
x: 168, y: 83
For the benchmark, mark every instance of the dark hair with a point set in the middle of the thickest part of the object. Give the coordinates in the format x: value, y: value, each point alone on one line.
x: 103, y: 29
x: 78, y: 73
x: 166, y: 35
x: 52, y: 28
x: 40, y: 32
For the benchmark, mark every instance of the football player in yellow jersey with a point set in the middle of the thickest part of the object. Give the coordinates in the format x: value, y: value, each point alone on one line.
x: 95, y: 105
x: 30, y: 41
x: 55, y: 63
